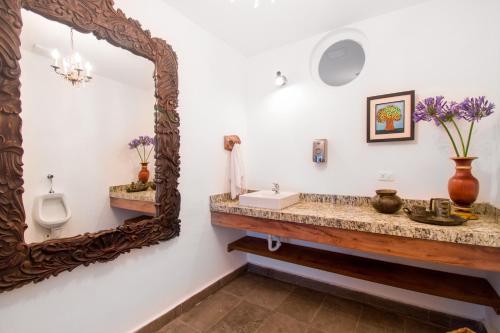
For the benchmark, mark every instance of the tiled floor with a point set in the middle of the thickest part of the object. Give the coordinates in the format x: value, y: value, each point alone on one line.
x: 253, y: 303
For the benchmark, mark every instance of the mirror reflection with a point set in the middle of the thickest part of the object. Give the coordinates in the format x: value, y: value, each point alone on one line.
x: 88, y: 129
x: 341, y: 63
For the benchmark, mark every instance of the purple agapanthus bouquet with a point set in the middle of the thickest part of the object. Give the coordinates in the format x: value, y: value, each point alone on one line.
x: 141, y: 144
x: 447, y: 114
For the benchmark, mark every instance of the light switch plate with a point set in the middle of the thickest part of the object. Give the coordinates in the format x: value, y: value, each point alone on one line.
x: 386, y: 176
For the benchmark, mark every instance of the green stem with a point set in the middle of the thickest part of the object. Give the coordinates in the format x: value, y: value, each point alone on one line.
x: 138, y: 152
x: 460, y: 136
x: 450, y: 136
x: 149, y: 154
x: 469, y: 138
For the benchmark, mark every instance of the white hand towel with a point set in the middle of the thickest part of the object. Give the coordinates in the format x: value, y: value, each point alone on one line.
x: 237, y: 173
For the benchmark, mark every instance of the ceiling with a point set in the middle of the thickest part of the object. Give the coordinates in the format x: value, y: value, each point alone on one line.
x: 40, y: 35
x: 254, y: 30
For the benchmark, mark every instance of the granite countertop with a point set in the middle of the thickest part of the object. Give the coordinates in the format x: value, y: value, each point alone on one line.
x: 356, y: 213
x: 121, y: 193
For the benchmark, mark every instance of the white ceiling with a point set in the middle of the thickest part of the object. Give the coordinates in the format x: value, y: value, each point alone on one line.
x: 107, y: 60
x: 252, y: 31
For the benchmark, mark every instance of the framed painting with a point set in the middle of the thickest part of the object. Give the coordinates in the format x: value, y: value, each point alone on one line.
x: 390, y: 117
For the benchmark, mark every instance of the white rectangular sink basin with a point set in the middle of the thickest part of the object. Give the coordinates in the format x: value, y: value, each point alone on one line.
x: 269, y: 199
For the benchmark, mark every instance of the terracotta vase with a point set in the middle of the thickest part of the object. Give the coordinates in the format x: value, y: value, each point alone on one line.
x: 463, y: 187
x: 387, y: 202
x: 144, y: 173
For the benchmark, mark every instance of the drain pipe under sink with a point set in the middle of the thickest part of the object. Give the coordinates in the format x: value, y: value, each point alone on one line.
x: 270, y: 246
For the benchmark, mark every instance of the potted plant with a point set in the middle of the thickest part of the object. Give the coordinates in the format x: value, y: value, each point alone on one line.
x: 144, y: 146
x: 463, y: 187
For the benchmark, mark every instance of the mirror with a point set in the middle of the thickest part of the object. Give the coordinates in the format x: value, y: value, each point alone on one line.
x: 341, y: 63
x: 80, y: 133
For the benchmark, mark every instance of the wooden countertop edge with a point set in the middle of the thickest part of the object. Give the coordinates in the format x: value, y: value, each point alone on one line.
x: 133, y: 205
x: 430, y: 251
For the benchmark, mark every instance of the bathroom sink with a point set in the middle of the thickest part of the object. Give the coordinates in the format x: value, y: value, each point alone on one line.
x: 269, y: 199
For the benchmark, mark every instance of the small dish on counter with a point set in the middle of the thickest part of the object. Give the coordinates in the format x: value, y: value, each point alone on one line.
x: 422, y: 215
x: 140, y: 187
x: 386, y: 201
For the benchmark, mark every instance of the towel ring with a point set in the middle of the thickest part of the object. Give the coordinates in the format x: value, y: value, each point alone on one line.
x: 230, y: 141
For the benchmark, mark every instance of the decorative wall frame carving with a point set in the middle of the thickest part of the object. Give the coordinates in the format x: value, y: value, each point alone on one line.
x: 22, y: 263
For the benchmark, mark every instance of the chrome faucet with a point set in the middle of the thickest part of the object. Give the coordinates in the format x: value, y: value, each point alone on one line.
x: 276, y: 188
x: 51, y: 180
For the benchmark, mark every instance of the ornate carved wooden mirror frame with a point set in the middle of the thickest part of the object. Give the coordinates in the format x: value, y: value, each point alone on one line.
x: 22, y: 263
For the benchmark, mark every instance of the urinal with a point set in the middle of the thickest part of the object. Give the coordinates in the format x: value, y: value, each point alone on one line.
x: 51, y: 211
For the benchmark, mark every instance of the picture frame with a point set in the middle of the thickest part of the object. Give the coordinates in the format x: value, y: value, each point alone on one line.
x: 390, y: 117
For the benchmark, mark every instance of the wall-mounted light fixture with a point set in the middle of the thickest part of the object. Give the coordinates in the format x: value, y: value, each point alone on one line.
x: 280, y: 80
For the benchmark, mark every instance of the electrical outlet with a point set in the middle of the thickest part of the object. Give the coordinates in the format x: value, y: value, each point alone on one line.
x: 386, y: 176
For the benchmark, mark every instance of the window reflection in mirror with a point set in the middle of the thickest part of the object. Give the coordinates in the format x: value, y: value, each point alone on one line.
x: 80, y: 134
x: 341, y: 63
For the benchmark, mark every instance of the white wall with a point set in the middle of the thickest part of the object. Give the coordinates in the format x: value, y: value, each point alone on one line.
x: 440, y: 47
x: 418, y: 48
x: 131, y: 291
x: 80, y: 136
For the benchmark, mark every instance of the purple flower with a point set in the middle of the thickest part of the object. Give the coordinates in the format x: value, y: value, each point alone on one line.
x: 445, y: 114
x: 450, y: 111
x: 134, y: 144
x: 429, y: 109
x: 476, y: 108
x: 140, y: 145
x: 142, y: 141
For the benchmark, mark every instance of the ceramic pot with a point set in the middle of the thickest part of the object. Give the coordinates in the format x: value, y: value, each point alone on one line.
x: 463, y: 187
x: 387, y: 202
x: 144, y: 173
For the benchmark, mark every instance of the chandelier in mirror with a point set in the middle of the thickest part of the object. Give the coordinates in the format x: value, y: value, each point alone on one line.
x: 256, y: 3
x: 71, y: 67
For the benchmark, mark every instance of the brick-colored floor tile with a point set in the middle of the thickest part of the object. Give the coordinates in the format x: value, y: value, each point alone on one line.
x: 243, y: 285
x: 281, y: 323
x: 302, y: 304
x: 245, y: 318
x: 177, y: 327
x: 337, y: 315
x: 210, y: 311
x: 270, y: 293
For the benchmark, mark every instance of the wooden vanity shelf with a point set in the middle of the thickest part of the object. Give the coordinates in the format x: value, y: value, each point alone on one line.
x: 445, y: 253
x: 134, y: 205
x: 453, y: 286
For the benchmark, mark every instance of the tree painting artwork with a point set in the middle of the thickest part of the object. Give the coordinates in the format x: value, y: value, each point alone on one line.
x: 390, y: 117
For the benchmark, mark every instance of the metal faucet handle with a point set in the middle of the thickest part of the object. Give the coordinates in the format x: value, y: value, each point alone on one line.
x: 276, y: 188
x: 51, y: 179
